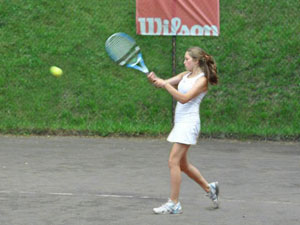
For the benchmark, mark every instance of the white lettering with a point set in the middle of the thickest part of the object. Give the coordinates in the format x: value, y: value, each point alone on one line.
x: 175, y: 25
x: 142, y: 22
x: 207, y: 30
x: 166, y: 27
x: 215, y: 30
x: 155, y: 26
x: 151, y: 26
x: 197, y: 30
x: 184, y: 30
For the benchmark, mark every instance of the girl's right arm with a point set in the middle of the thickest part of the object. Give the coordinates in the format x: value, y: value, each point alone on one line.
x: 173, y: 80
x: 176, y: 79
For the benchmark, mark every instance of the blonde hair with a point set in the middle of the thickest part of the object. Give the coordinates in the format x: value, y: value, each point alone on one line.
x: 206, y: 63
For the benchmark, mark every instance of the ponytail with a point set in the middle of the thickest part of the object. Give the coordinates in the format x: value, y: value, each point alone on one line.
x: 210, y: 70
x: 206, y: 63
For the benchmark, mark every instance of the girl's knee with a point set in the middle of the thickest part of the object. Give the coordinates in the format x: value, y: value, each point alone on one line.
x: 184, y: 167
x: 173, y: 163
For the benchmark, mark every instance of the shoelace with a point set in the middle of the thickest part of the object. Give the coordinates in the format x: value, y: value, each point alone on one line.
x: 167, y: 205
x: 211, y: 194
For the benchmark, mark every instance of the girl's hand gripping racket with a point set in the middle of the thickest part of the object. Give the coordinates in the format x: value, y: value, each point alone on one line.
x: 123, y: 50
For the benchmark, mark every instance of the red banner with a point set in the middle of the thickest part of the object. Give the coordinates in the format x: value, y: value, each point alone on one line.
x: 178, y: 17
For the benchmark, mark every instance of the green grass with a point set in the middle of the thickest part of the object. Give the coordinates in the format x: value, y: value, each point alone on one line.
x: 257, y: 55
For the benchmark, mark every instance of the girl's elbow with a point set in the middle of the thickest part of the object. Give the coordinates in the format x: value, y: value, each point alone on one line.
x: 183, y: 101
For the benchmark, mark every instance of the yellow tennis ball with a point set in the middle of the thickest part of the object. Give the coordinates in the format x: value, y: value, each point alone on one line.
x: 56, y: 71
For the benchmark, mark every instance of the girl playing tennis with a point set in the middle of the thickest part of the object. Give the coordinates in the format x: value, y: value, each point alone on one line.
x: 192, y: 87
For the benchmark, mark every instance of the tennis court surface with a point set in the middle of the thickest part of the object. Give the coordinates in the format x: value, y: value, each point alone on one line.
x: 89, y: 181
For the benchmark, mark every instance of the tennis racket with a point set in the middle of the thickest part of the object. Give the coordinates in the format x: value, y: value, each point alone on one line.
x: 123, y: 50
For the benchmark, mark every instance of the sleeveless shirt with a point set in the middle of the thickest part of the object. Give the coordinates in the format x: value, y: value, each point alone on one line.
x: 188, y: 112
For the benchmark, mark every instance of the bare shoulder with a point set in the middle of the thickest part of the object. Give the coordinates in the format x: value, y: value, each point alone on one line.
x: 182, y: 74
x: 202, y: 78
x: 202, y: 81
x: 176, y: 79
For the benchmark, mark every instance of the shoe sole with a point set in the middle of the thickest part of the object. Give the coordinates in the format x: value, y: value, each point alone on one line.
x: 172, y: 213
x: 177, y: 212
x: 217, y: 193
x: 217, y: 189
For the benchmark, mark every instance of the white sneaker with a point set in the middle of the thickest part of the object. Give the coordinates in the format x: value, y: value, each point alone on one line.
x: 213, y: 194
x: 169, y: 207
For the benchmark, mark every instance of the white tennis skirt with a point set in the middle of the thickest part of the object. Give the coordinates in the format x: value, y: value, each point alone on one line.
x: 185, y: 133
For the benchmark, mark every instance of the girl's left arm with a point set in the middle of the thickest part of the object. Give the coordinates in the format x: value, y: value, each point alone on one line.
x: 200, y: 86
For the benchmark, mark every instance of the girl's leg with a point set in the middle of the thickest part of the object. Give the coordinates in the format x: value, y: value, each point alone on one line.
x: 176, y: 155
x: 177, y: 163
x: 193, y: 172
x: 212, y: 189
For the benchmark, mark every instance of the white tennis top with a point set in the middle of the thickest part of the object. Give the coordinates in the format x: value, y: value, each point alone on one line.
x: 188, y: 112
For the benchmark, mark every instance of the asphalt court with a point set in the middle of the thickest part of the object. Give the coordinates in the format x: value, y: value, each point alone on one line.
x: 92, y: 180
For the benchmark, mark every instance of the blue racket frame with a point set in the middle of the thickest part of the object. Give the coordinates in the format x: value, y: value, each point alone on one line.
x: 138, y: 64
x: 143, y: 68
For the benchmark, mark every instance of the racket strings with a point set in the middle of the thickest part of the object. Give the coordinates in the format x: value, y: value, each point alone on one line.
x: 131, y: 57
x: 123, y: 50
x: 119, y: 46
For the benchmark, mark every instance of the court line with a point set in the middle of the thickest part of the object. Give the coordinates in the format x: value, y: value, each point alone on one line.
x: 262, y: 201
x: 77, y: 194
x: 111, y: 195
